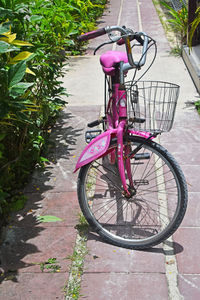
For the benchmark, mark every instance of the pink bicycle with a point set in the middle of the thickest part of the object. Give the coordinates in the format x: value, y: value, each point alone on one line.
x: 130, y: 189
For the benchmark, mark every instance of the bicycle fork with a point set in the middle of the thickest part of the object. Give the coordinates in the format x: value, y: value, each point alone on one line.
x: 120, y: 158
x: 121, y: 148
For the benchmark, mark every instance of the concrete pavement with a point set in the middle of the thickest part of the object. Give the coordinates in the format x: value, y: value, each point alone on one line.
x: 168, y: 271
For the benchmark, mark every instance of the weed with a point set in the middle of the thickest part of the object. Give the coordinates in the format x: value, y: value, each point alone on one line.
x: 197, y: 105
x: 51, y: 264
x: 82, y: 226
x: 176, y: 51
x: 77, y: 259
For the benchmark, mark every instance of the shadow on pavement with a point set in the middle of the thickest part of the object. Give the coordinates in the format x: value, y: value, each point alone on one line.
x: 176, y: 247
x: 24, y: 235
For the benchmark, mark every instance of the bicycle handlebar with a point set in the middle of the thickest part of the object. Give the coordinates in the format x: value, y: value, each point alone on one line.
x: 92, y: 34
x: 127, y: 36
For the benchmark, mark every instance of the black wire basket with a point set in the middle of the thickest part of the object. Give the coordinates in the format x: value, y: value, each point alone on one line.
x: 151, y: 105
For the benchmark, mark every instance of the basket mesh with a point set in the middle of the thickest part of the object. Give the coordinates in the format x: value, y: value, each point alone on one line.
x: 154, y: 101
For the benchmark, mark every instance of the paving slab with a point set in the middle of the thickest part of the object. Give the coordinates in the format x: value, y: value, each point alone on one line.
x: 189, y: 286
x: 106, y: 258
x: 188, y: 259
x: 63, y: 205
x: 124, y: 286
x: 85, y: 83
x: 192, y: 218
x: 185, y: 153
x: 192, y: 177
x: 27, y: 251
x: 28, y: 286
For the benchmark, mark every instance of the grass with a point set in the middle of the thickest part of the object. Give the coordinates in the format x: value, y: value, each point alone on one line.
x: 197, y: 105
x: 51, y: 265
x: 77, y: 259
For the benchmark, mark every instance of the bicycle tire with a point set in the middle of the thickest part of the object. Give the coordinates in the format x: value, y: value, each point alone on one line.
x: 147, y: 218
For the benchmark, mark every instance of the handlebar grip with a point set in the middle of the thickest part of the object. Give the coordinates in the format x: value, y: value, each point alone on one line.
x: 91, y: 34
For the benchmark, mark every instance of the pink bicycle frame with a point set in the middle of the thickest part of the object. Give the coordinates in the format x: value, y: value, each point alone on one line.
x: 117, y: 120
x: 117, y: 124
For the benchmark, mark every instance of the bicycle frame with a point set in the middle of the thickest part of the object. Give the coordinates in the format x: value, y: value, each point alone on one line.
x: 116, y: 116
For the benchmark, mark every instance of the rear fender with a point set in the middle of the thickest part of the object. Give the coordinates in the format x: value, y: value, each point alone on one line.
x: 95, y: 149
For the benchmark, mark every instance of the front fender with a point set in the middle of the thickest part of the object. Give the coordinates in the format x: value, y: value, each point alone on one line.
x: 95, y: 149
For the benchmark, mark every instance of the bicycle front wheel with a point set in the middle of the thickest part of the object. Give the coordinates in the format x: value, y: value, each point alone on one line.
x: 157, y: 204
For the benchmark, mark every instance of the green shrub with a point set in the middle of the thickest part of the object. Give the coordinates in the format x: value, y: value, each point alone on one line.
x: 30, y: 81
x: 15, y: 106
x: 179, y: 20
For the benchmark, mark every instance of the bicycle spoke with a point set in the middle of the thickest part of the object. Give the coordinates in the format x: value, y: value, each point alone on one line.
x: 152, y: 203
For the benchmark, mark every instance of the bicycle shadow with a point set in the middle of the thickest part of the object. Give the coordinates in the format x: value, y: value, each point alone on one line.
x: 19, y: 239
x: 175, y: 247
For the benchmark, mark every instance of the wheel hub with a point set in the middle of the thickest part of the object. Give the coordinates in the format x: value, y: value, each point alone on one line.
x: 132, y: 192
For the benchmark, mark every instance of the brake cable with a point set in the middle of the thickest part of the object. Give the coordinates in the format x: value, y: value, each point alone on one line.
x: 106, y: 43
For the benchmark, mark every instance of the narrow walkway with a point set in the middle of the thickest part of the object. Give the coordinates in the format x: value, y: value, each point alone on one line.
x: 170, y: 271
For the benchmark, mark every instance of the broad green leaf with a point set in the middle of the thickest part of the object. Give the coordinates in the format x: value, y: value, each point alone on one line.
x: 69, y: 42
x: 23, y: 117
x: 24, y: 55
x: 43, y: 159
x: 21, y: 43
x: 8, y: 38
x: 16, y: 73
x: 5, y: 123
x: 5, y: 47
x: 4, y: 27
x: 30, y: 71
x: 19, y: 89
x: 17, y: 205
x: 46, y: 219
x: 35, y: 18
x: 5, y: 12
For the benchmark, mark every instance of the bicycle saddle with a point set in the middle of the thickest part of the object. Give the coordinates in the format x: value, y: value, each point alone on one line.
x: 109, y: 60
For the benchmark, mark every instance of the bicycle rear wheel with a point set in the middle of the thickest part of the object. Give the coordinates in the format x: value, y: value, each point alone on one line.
x: 156, y: 207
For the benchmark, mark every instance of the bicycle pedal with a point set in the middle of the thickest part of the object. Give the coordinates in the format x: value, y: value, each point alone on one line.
x: 141, y: 156
x: 91, y: 134
x: 137, y: 120
x: 140, y: 182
